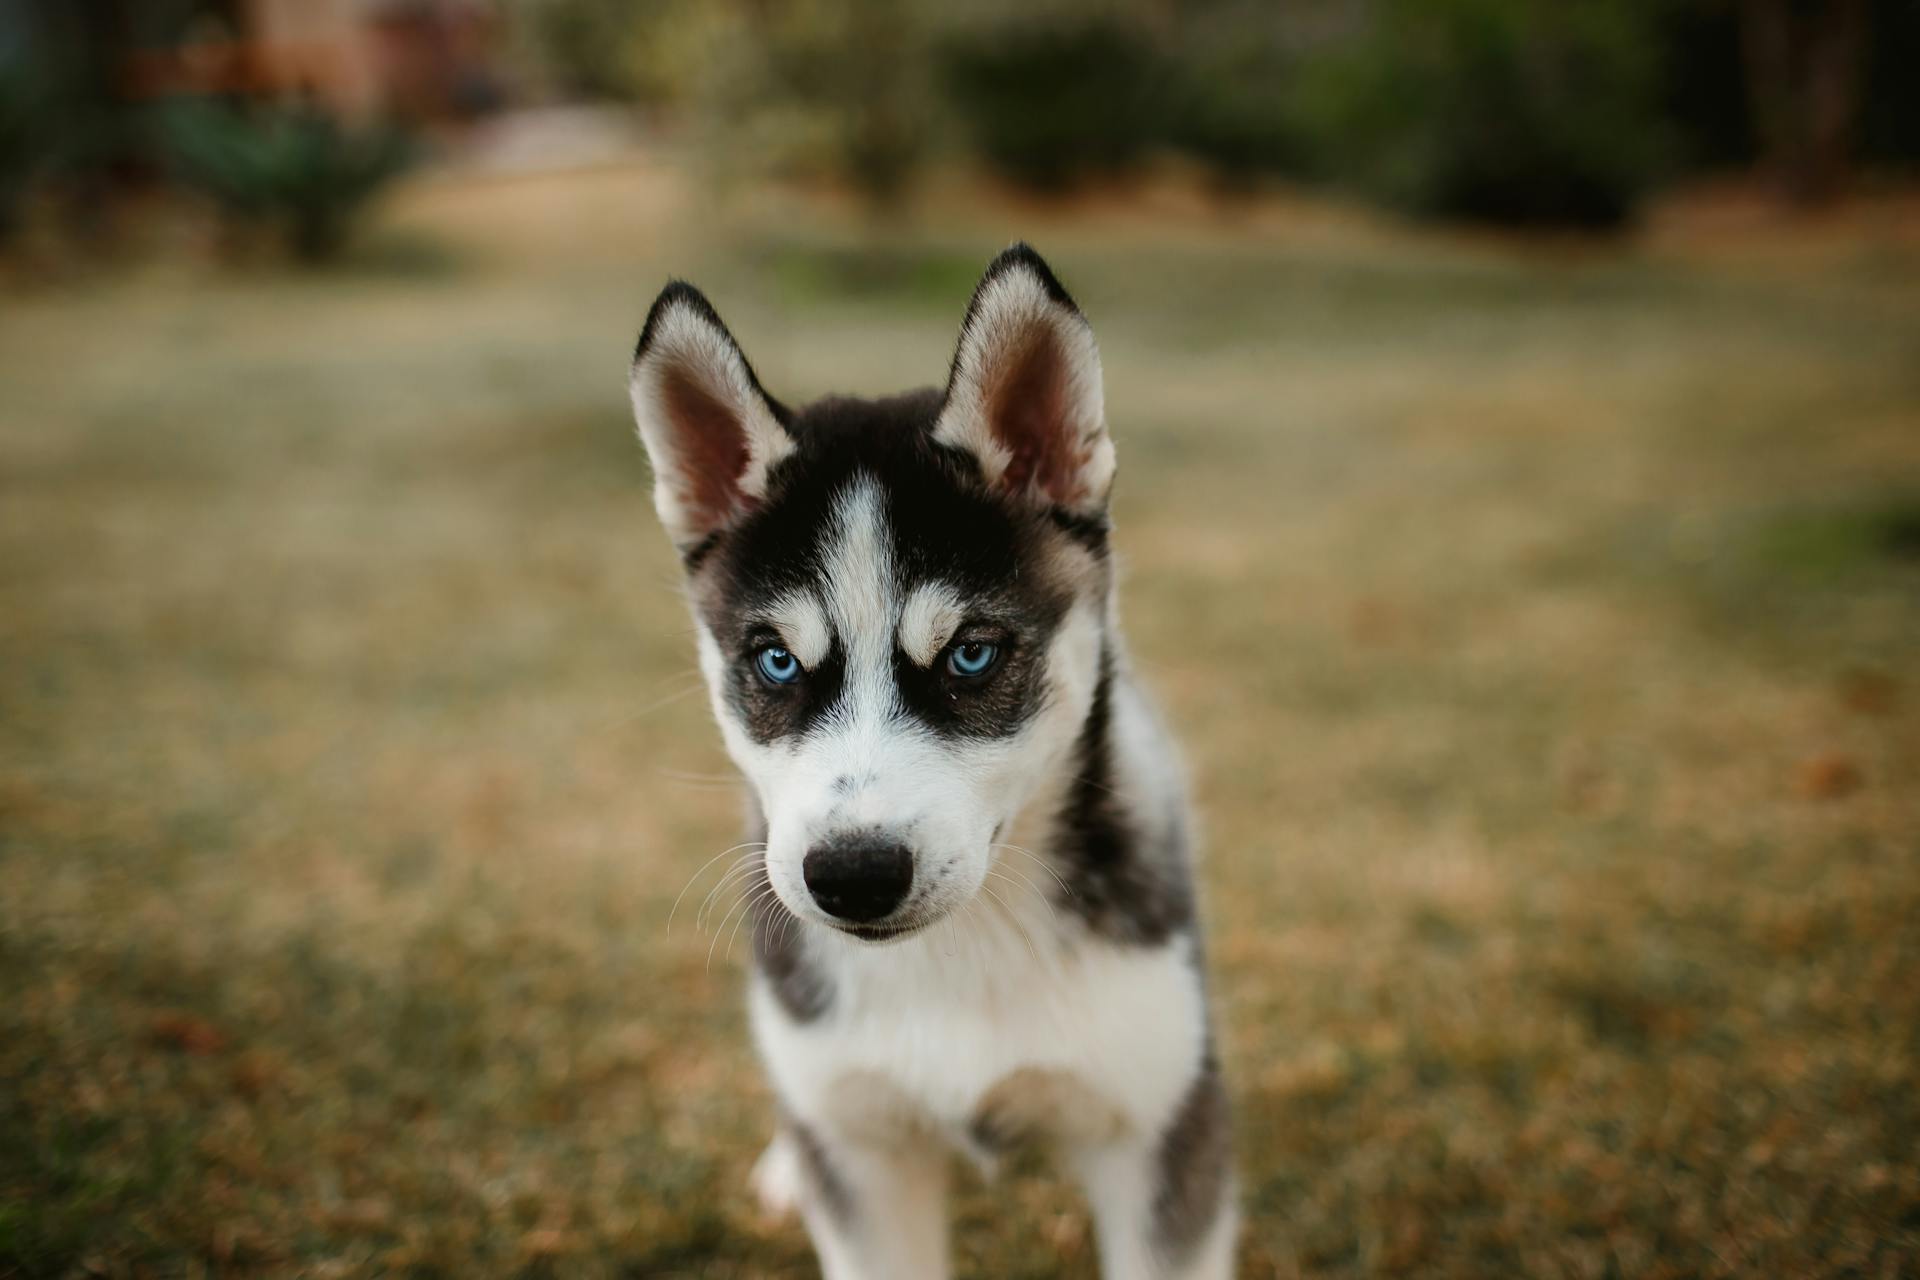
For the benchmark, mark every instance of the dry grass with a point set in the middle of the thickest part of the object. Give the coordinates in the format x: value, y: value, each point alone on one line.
x: 1542, y: 633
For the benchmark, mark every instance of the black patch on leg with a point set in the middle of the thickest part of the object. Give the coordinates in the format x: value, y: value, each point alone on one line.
x: 1129, y: 883
x: 835, y: 1196
x: 1193, y: 1166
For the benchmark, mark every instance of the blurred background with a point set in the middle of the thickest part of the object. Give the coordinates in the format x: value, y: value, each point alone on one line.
x: 1518, y: 407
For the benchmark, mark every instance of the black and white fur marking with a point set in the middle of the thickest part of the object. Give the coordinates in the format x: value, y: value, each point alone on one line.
x: 1023, y: 963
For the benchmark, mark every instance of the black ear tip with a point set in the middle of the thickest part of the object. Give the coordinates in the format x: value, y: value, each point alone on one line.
x: 1021, y: 256
x: 677, y: 294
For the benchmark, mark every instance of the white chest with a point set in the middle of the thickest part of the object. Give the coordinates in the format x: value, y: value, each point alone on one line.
x: 977, y: 1025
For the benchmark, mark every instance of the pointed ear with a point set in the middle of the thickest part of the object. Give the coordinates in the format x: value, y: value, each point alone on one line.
x: 711, y: 433
x: 1024, y: 397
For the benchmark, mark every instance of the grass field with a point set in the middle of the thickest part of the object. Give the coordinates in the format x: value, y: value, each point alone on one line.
x: 1543, y: 628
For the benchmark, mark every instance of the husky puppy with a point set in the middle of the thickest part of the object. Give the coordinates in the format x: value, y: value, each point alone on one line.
x: 972, y: 909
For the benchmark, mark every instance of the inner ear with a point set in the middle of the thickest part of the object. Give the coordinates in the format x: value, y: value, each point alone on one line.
x: 712, y: 434
x: 1026, y: 408
x: 713, y: 448
x: 1024, y: 398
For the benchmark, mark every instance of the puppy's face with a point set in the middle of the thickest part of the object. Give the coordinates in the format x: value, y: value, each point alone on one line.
x: 899, y: 604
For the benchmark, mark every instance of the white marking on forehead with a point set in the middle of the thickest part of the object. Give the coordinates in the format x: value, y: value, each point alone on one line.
x: 932, y: 614
x: 802, y: 623
x: 864, y: 733
x: 859, y: 573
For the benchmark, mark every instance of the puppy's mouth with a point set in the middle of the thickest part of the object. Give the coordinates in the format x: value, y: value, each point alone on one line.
x: 879, y: 933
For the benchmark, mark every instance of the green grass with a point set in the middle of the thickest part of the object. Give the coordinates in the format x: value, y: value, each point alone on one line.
x: 1541, y: 633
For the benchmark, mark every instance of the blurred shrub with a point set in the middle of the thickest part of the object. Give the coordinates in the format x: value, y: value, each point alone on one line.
x: 613, y: 50
x: 1051, y: 100
x: 851, y: 75
x: 294, y: 169
x: 1498, y: 110
x: 586, y: 45
x: 21, y: 151
x: 1228, y: 106
x: 1890, y: 113
x: 60, y: 132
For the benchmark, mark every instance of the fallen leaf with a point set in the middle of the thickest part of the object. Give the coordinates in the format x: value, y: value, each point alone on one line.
x: 186, y: 1033
x: 1829, y: 776
x: 1868, y: 692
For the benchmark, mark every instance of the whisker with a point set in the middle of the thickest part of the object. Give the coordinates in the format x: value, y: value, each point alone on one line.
x: 1015, y: 918
x: 739, y: 867
x: 1028, y: 882
x: 1098, y: 785
x: 739, y: 871
x: 683, y: 775
x: 971, y: 936
x: 758, y: 897
x: 643, y: 712
x: 1025, y: 884
x: 717, y: 928
x: 1043, y: 864
x: 703, y: 866
x: 782, y: 926
x: 701, y: 784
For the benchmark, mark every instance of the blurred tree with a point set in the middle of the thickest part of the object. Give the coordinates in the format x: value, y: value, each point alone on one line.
x: 1051, y: 99
x: 830, y: 87
x: 65, y: 123
x: 21, y: 151
x: 856, y: 67
x: 1228, y: 104
x: 587, y: 48
x: 1805, y: 64
x: 1706, y: 85
x: 1889, y: 130
x: 1497, y: 110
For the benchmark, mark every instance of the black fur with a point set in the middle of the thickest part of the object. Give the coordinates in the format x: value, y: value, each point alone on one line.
x: 1128, y: 884
x: 833, y: 1191
x: 945, y: 527
x: 1193, y: 1166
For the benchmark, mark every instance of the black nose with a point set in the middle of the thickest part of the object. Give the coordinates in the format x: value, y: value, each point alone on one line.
x: 858, y: 878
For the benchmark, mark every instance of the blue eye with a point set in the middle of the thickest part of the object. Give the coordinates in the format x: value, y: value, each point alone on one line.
x: 973, y: 659
x: 777, y: 666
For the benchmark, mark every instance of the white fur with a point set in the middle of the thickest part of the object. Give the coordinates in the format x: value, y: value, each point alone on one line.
x: 1013, y: 993
x: 924, y: 1031
x: 687, y: 343
x: 932, y: 614
x: 802, y: 624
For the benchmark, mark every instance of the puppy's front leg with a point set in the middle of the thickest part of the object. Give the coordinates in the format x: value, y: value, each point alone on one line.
x: 874, y: 1213
x: 1163, y: 1205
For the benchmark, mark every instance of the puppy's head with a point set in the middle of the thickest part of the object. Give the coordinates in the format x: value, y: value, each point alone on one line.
x: 900, y: 603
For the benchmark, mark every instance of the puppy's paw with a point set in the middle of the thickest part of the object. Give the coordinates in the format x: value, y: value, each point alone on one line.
x: 777, y: 1177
